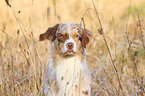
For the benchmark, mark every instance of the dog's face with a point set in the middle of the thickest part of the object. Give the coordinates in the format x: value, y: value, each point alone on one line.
x: 68, y: 38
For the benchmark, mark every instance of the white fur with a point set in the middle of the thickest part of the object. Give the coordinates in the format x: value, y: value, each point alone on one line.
x: 71, y: 70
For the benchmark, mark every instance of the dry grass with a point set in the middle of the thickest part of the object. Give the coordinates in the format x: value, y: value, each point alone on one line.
x: 23, y: 58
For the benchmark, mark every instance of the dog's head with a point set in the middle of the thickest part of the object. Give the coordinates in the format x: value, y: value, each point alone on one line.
x: 68, y: 38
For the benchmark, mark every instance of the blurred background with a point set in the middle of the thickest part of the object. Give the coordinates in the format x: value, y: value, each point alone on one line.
x: 23, y: 58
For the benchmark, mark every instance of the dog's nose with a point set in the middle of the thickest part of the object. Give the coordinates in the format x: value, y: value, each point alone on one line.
x: 70, y: 45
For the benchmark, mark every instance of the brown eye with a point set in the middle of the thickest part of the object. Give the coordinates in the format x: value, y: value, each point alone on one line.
x: 61, y: 36
x: 76, y: 36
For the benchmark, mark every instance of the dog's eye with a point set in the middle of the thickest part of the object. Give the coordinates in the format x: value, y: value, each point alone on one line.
x: 61, y: 36
x: 76, y: 36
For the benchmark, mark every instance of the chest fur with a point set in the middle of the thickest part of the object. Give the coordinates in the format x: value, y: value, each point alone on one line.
x: 68, y: 73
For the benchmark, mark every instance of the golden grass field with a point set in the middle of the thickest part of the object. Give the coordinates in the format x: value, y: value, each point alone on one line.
x: 23, y: 57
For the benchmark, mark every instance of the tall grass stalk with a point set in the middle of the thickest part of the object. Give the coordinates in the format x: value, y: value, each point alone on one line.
x: 133, y: 54
x: 102, y: 33
x: 140, y: 25
x: 18, y: 24
x: 2, y: 66
x: 17, y: 46
x: 114, y: 38
x: 141, y: 14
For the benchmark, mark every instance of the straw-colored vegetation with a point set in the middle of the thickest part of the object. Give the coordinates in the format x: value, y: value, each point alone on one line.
x: 116, y: 57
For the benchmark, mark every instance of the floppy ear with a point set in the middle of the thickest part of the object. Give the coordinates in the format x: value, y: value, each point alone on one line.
x: 85, y: 37
x: 50, y: 34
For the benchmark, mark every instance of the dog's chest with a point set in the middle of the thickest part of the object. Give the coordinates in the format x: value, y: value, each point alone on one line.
x: 68, y: 73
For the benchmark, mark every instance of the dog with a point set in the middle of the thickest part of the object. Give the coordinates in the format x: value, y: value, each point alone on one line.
x: 67, y: 72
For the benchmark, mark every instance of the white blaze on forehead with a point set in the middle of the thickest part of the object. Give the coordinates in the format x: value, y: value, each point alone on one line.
x: 67, y: 27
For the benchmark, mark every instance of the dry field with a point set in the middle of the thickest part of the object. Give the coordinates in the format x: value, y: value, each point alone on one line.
x: 116, y: 55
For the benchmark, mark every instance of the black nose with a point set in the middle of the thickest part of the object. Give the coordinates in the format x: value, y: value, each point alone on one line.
x: 70, y: 45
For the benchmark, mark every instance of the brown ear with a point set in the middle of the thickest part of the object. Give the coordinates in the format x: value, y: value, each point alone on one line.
x: 85, y: 37
x: 50, y: 34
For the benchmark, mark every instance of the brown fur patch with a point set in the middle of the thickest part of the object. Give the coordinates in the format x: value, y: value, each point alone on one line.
x: 61, y: 37
x: 85, y: 92
x: 50, y: 34
x: 85, y: 37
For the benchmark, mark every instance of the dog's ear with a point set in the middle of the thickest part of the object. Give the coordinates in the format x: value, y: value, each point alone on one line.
x: 85, y: 37
x: 50, y: 34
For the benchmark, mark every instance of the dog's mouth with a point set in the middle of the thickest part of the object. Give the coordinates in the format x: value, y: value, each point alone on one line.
x: 69, y: 52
